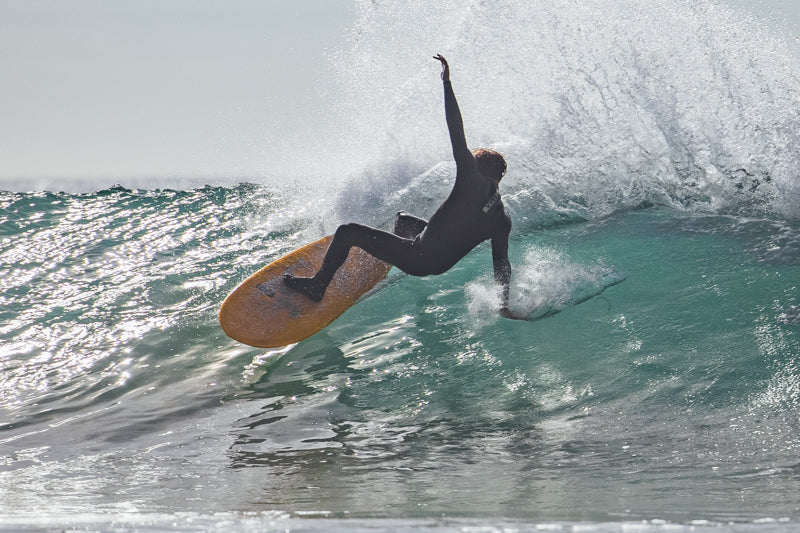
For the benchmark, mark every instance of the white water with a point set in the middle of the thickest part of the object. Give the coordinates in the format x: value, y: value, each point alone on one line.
x: 597, y: 106
x: 663, y: 401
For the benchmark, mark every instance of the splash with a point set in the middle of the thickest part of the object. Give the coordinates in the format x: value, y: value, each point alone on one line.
x: 598, y: 106
x: 547, y: 282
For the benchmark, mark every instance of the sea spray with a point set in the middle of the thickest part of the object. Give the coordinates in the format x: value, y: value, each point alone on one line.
x: 545, y: 282
x: 668, y: 401
x: 595, y: 108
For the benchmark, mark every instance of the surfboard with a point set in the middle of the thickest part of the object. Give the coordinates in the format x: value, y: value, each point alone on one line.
x: 264, y: 312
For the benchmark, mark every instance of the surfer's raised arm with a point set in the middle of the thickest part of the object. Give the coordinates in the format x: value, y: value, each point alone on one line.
x: 455, y: 124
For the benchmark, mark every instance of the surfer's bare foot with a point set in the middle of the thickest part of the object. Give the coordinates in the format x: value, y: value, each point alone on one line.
x: 305, y: 286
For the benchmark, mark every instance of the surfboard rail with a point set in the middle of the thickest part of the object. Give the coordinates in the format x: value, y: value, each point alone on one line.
x: 265, y: 313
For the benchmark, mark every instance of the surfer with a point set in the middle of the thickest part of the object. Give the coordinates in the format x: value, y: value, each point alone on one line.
x: 471, y: 214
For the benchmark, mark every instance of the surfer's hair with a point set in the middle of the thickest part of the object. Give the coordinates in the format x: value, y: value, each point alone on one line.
x: 490, y: 163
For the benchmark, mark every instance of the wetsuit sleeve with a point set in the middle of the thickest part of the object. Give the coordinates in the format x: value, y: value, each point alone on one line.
x: 502, y: 266
x: 455, y: 125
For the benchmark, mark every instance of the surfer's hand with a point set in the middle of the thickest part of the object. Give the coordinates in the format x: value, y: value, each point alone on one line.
x: 505, y: 312
x: 445, y: 67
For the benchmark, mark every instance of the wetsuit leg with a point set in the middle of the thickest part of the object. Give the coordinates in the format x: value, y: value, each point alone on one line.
x: 395, y: 250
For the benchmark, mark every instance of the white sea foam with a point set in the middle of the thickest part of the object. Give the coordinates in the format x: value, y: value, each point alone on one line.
x: 594, y: 108
x: 545, y: 283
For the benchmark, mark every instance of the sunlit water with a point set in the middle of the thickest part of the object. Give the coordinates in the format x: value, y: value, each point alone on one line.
x: 656, y: 248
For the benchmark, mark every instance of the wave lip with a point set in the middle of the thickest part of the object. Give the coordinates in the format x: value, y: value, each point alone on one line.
x: 594, y: 110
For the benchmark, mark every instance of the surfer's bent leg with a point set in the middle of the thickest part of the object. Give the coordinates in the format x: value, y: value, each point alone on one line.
x: 388, y: 247
x: 408, y: 226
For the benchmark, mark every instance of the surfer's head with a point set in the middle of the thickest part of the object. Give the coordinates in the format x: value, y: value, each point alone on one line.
x: 490, y: 163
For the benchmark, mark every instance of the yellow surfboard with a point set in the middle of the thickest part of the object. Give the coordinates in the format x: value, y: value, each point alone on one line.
x: 264, y: 312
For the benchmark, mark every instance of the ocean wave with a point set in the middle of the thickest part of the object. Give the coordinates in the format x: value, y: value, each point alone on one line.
x: 595, y: 111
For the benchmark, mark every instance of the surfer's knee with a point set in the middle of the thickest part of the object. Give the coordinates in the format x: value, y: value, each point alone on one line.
x: 348, y: 230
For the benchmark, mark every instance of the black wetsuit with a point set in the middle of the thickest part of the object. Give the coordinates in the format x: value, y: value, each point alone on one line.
x: 471, y: 214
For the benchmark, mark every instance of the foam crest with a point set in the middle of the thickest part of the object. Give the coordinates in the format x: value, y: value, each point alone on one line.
x: 595, y: 110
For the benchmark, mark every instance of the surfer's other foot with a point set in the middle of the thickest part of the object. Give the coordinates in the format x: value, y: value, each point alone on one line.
x: 305, y: 286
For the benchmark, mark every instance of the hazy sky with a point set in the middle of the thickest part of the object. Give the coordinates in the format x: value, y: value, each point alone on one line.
x: 108, y: 88
x: 112, y: 90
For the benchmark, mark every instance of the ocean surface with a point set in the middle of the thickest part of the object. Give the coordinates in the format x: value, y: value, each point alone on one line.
x: 654, y: 187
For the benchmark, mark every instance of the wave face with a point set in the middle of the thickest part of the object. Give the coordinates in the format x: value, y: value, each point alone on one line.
x: 656, y: 248
x: 662, y: 355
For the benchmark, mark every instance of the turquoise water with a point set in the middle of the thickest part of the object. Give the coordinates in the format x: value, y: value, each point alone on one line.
x: 672, y: 394
x: 653, y: 186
